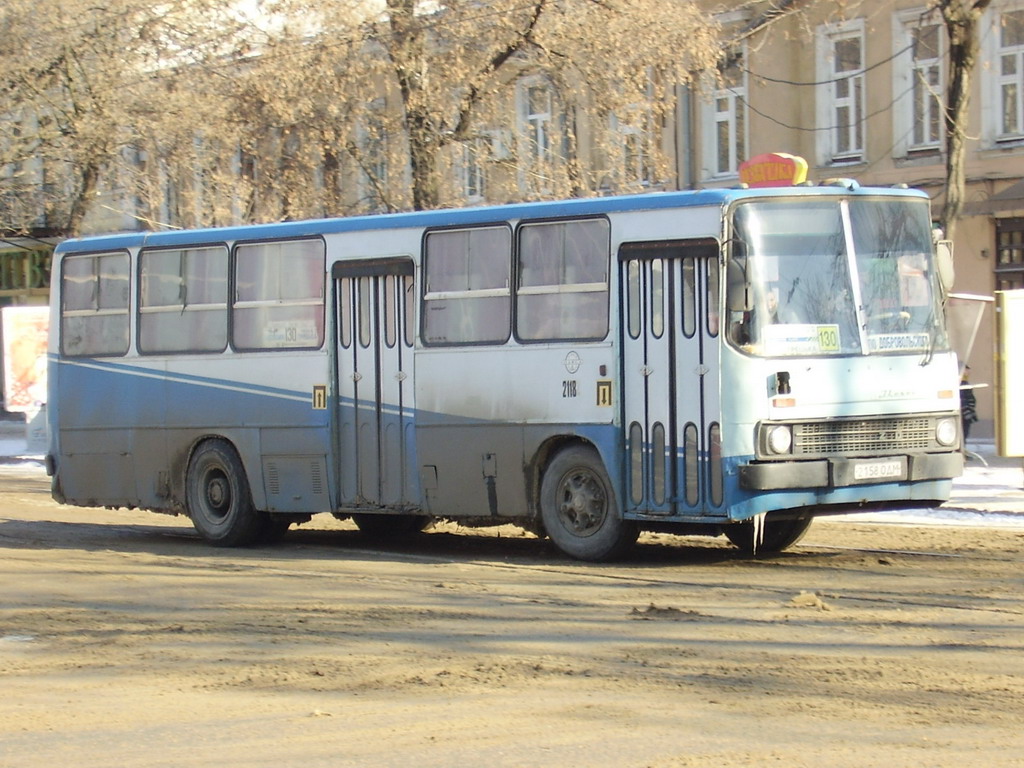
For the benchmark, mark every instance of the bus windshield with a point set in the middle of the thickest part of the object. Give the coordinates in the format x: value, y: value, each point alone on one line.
x: 833, y: 277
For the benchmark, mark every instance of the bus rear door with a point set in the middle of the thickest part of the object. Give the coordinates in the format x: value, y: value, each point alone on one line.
x: 374, y: 381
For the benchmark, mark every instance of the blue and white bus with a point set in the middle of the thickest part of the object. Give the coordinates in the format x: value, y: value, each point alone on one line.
x: 728, y: 361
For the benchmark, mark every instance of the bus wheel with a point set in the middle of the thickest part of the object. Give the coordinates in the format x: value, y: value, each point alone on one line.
x: 777, y: 536
x: 578, y: 507
x: 218, y: 499
x: 390, y: 526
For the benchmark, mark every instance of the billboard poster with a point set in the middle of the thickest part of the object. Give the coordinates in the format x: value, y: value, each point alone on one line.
x: 1009, y: 372
x: 25, y: 332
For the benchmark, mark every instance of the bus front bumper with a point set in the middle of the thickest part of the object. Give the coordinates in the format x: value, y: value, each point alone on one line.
x: 846, y: 472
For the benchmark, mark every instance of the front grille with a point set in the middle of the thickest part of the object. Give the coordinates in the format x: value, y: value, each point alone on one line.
x: 863, y: 436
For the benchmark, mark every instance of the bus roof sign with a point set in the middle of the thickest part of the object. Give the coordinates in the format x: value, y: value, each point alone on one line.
x: 773, y: 169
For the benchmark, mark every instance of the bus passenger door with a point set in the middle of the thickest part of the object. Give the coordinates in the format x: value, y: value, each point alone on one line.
x: 670, y: 376
x: 374, y: 382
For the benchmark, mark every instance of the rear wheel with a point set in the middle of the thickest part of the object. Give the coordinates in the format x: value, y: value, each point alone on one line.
x: 217, y: 496
x: 578, y: 507
x: 776, y: 536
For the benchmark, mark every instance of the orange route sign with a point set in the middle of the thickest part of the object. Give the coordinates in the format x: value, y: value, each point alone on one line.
x: 774, y: 169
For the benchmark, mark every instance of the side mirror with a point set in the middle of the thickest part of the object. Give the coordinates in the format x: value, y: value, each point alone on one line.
x: 944, y: 263
x: 737, y: 290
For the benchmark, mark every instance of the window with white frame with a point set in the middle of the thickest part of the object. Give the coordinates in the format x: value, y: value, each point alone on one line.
x: 1010, y: 68
x: 919, y: 83
x: 474, y: 177
x: 725, y: 120
x: 841, y: 96
x: 634, y: 136
x: 927, y: 86
x: 541, y: 139
x: 537, y: 111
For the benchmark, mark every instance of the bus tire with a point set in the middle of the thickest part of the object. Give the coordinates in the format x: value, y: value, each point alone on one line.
x: 218, y: 499
x: 578, y: 508
x: 778, y: 534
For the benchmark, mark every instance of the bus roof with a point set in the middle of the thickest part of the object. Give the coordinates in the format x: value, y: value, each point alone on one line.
x: 469, y: 216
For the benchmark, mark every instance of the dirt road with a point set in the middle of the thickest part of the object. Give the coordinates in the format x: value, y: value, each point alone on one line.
x: 124, y: 641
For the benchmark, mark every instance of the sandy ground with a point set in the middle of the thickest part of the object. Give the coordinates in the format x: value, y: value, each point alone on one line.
x: 125, y: 641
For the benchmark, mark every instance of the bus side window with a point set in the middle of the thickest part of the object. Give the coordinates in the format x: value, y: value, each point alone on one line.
x: 94, y: 315
x: 466, y: 296
x: 183, y: 299
x: 562, y: 286
x: 279, y: 295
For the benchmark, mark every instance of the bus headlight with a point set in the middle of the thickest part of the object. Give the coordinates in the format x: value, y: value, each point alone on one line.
x: 779, y: 439
x: 945, y: 431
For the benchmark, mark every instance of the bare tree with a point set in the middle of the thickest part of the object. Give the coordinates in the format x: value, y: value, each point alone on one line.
x: 416, y: 86
x: 961, y: 18
x: 76, y: 90
x: 202, y: 116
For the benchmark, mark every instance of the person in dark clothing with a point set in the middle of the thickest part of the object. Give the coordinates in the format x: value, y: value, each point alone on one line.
x: 968, y: 404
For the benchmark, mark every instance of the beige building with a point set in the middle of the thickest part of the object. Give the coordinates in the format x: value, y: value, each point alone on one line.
x: 861, y: 96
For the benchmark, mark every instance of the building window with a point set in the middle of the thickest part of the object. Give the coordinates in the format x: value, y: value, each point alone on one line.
x: 927, y: 86
x: 841, y: 96
x: 634, y: 136
x: 919, y: 84
x: 474, y: 177
x: 1010, y: 70
x: 1010, y: 250
x: 725, y: 120
x: 537, y: 121
x: 542, y: 142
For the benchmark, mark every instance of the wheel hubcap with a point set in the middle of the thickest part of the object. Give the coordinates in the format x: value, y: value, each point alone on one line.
x: 218, y: 495
x: 583, y: 503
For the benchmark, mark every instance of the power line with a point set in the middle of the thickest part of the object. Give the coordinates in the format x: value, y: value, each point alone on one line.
x: 815, y: 83
x: 818, y: 129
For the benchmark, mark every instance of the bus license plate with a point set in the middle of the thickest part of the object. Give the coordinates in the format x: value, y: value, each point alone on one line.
x: 878, y: 470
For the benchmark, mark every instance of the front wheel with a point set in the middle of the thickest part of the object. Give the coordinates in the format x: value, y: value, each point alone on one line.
x: 218, y: 499
x: 577, y: 505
